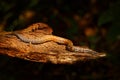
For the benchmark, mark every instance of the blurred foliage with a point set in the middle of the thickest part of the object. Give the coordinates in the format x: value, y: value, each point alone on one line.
x: 93, y: 23
x: 112, y: 17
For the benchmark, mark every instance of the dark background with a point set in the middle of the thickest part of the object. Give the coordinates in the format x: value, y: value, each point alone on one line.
x: 92, y: 23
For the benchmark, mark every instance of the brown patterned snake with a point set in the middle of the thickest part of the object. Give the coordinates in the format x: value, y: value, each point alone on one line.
x: 49, y: 37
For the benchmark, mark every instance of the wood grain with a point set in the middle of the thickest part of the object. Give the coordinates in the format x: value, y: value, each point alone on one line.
x: 46, y: 52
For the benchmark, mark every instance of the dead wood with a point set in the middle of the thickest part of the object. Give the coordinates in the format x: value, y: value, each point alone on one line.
x: 50, y: 51
x: 47, y: 52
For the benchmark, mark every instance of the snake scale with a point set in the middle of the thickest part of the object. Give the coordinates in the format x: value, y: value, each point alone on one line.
x: 49, y: 37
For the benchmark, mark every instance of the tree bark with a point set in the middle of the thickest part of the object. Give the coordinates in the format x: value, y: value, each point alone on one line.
x: 46, y: 52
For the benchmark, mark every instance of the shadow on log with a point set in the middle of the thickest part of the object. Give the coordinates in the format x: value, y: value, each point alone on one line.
x: 46, y: 52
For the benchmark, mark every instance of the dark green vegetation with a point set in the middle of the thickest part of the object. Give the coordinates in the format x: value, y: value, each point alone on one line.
x: 93, y: 23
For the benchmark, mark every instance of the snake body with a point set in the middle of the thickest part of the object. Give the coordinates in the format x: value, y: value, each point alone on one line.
x: 60, y: 40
